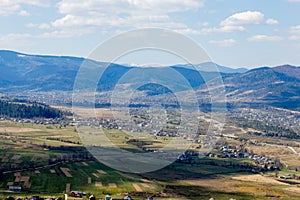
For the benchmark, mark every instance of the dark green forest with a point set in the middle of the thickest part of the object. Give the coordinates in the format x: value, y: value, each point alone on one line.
x: 28, y: 110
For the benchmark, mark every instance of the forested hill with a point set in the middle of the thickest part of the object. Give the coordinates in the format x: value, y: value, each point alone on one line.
x: 28, y: 110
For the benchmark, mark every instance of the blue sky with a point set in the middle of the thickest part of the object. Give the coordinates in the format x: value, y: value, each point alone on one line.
x: 235, y: 33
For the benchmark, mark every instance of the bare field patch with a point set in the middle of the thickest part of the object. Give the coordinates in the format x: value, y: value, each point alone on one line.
x: 248, y: 185
x: 17, y: 130
x: 145, y: 180
x: 293, y: 189
x: 270, y: 150
x: 112, y: 185
x: 17, y: 179
x: 101, y: 172
x: 68, y: 187
x: 66, y: 172
x: 98, y: 184
x: 24, y: 178
x: 145, y: 185
x: 17, y: 174
x: 258, y: 179
x: 290, y: 160
x: 89, y: 112
x: 137, y: 187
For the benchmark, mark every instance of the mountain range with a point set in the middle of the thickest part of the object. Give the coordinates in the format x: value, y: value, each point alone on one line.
x: 22, y: 72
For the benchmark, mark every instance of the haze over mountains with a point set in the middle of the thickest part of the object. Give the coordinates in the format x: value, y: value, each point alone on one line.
x: 21, y: 72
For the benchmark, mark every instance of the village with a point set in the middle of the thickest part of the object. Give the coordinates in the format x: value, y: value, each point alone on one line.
x: 273, y: 120
x: 227, y: 156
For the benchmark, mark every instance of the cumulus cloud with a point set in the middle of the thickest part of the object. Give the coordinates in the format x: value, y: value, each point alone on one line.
x: 264, y: 38
x: 238, y: 21
x: 9, y: 8
x: 122, y: 13
x: 272, y: 21
x: 16, y: 7
x: 127, y: 6
x: 243, y: 18
x: 223, y: 43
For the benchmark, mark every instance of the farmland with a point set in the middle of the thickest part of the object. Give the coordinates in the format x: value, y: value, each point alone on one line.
x: 49, y: 160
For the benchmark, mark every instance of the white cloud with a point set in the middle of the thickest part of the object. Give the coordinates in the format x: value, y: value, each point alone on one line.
x: 102, y: 21
x: 9, y: 8
x: 127, y: 6
x: 203, y: 23
x: 295, y: 33
x: 295, y: 29
x: 272, y: 21
x: 15, y: 40
x: 63, y: 33
x: 122, y: 13
x: 189, y: 31
x: 264, y: 38
x: 223, y: 29
x: 15, y: 7
x: 39, y: 3
x: 238, y: 21
x: 223, y: 43
x: 44, y: 26
x: 40, y: 26
x: 231, y: 28
x: 243, y: 18
x: 24, y: 13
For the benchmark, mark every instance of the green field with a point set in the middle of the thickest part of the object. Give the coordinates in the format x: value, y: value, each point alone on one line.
x: 27, y: 146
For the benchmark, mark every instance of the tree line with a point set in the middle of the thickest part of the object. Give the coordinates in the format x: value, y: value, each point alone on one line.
x: 29, y: 111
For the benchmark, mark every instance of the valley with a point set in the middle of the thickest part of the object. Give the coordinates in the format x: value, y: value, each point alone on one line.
x: 42, y: 151
x: 242, y: 143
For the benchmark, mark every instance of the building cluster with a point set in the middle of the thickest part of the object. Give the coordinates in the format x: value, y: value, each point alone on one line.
x: 239, y: 153
x: 270, y: 116
x: 43, y: 121
x: 187, y: 157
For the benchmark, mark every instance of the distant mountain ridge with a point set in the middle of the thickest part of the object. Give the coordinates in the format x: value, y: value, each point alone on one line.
x: 21, y: 72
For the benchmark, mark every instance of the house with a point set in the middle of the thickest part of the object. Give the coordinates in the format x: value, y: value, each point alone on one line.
x: 15, y: 188
x: 286, y: 176
x: 77, y: 194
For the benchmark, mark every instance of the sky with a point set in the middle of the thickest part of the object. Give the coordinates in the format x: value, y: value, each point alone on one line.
x: 234, y: 33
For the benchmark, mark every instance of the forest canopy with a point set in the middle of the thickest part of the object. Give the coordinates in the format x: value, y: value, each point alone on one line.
x: 28, y: 110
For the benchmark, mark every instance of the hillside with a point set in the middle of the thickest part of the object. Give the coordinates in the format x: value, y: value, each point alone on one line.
x: 34, y: 73
x: 17, y: 109
x: 278, y: 86
x: 22, y: 72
